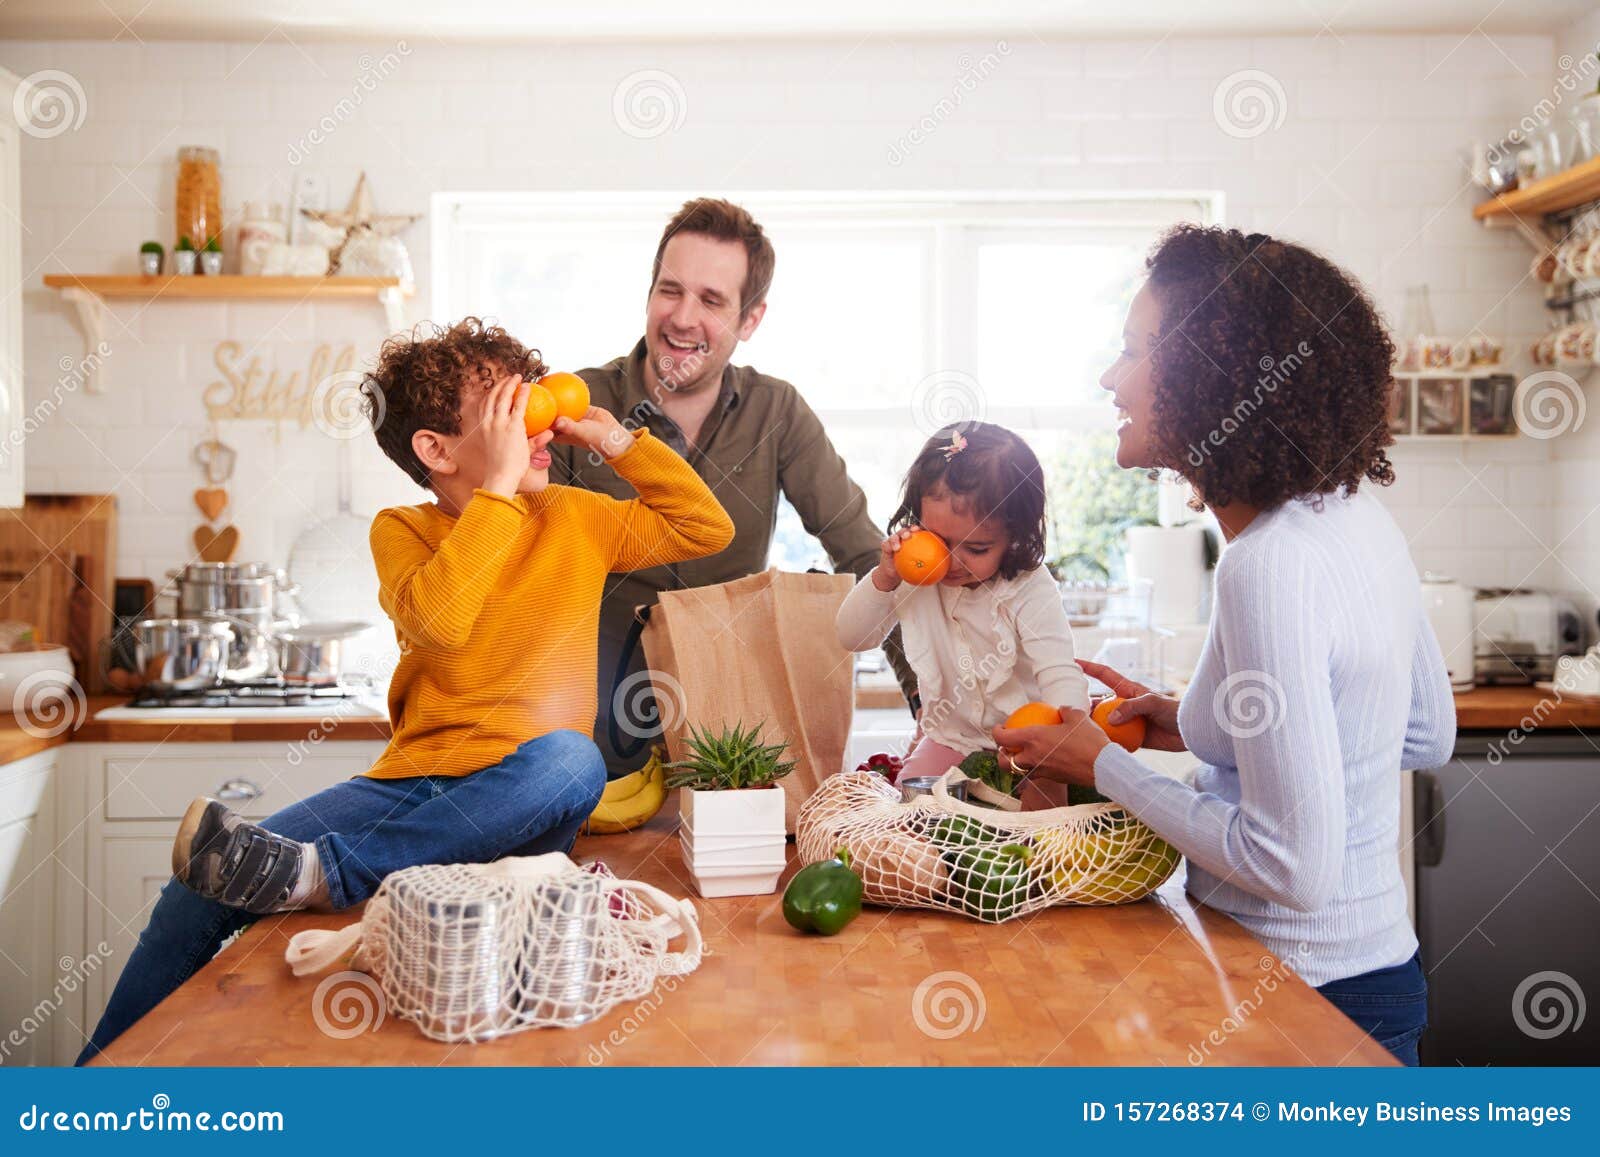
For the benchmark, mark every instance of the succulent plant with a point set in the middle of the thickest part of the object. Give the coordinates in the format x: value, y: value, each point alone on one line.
x: 184, y: 245
x: 152, y: 247
x: 214, y: 245
x: 735, y: 758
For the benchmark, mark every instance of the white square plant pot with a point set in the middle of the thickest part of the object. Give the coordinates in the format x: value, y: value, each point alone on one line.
x: 733, y: 842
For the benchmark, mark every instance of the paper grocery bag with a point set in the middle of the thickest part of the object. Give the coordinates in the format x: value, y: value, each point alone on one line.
x: 758, y: 650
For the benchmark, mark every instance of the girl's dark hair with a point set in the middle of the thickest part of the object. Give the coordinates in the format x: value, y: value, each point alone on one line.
x: 997, y: 474
x: 1272, y: 369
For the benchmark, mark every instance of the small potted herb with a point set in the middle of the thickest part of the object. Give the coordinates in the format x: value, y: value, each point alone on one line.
x: 183, y: 257
x: 211, y: 259
x: 733, y: 835
x: 150, y: 257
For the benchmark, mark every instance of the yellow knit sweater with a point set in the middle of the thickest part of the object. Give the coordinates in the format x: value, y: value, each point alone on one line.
x: 497, y: 611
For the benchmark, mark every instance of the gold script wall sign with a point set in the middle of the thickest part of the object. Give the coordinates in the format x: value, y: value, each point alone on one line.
x: 252, y: 393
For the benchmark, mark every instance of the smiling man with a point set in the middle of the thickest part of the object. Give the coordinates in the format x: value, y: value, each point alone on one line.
x: 750, y: 436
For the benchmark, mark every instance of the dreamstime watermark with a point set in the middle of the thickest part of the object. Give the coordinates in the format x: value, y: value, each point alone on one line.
x: 945, y: 398
x: 1248, y: 704
x: 1547, y: 1004
x: 48, y: 103
x: 633, y: 1020
x: 939, y: 706
x: 1576, y: 77
x: 1548, y: 404
x: 634, y: 419
x: 46, y: 704
x: 649, y: 103
x: 973, y: 73
x: 344, y: 406
x: 1274, y: 372
x: 372, y: 73
x: 343, y: 709
x: 1248, y: 103
x: 1579, y: 672
x: 75, y: 373
x: 1275, y: 972
x: 74, y: 973
x: 647, y: 703
x: 947, y: 1005
x: 347, y: 1004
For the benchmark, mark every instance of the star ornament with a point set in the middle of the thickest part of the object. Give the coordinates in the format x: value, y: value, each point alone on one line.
x: 358, y: 214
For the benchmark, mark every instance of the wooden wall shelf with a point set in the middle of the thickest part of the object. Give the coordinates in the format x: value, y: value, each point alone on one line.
x: 1565, y: 190
x: 89, y: 293
x: 227, y: 286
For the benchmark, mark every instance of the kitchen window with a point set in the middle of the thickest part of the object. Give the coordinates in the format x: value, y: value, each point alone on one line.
x: 889, y: 313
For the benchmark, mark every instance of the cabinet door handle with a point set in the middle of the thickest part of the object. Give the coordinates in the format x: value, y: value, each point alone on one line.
x: 239, y: 789
x: 1427, y: 798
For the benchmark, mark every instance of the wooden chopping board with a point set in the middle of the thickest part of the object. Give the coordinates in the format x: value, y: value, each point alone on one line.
x: 79, y: 533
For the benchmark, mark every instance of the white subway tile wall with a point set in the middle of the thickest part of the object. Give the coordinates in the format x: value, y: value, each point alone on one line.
x: 1365, y: 163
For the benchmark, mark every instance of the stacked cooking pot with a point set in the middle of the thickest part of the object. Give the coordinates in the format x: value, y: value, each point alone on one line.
x: 236, y: 624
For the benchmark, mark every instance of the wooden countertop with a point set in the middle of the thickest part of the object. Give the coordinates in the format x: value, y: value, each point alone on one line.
x: 1145, y: 983
x: 17, y: 743
x: 1504, y: 708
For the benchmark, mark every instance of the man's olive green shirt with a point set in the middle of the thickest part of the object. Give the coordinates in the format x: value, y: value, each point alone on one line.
x: 760, y: 439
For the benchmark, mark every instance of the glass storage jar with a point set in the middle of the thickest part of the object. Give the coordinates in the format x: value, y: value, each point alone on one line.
x: 199, y: 200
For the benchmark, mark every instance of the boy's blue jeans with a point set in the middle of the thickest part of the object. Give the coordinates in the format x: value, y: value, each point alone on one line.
x: 533, y: 801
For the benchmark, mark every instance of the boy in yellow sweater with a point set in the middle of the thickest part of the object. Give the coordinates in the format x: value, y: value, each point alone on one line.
x: 494, y: 589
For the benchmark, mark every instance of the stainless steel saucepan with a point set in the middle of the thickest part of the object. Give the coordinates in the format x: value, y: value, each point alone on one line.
x: 313, y: 652
x: 181, y: 654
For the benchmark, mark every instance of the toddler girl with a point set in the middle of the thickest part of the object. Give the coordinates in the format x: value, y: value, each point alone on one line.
x: 992, y: 634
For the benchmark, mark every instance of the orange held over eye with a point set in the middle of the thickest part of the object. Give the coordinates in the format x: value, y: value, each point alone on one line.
x: 541, y: 412
x: 923, y: 558
x: 1128, y: 734
x: 570, y: 392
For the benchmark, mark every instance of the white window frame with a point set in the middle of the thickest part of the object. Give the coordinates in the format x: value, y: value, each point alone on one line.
x: 1131, y: 214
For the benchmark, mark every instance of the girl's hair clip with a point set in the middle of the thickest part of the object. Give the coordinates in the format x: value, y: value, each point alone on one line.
x: 957, y: 444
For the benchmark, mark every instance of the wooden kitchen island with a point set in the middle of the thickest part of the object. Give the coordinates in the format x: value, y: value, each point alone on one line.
x: 1158, y: 982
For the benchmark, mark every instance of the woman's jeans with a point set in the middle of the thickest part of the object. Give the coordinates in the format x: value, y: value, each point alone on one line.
x: 1390, y: 1005
x: 533, y: 801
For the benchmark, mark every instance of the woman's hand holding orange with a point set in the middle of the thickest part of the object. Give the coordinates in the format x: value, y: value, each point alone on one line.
x: 1064, y: 751
x: 1160, y: 712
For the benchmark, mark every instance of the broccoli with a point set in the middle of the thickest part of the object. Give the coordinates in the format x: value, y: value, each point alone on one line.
x: 984, y: 766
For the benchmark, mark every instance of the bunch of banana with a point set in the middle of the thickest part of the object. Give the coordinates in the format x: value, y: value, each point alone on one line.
x: 630, y: 801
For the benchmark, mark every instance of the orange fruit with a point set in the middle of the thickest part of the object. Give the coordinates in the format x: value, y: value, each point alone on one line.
x: 922, y: 559
x: 1034, y: 715
x: 571, y: 393
x: 541, y: 412
x: 1129, y: 735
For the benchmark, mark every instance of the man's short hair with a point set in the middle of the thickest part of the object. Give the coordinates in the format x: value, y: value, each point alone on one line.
x: 724, y: 221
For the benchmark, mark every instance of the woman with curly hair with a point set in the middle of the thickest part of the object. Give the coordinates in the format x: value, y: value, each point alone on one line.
x: 1260, y: 372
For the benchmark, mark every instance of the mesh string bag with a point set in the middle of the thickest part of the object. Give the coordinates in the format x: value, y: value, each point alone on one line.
x: 993, y: 865
x: 470, y: 952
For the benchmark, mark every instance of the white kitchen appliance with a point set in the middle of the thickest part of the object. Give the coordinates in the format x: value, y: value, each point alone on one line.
x: 1450, y: 610
x: 1173, y: 560
x: 1521, y: 633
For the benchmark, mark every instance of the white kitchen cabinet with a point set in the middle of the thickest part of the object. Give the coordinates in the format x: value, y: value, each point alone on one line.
x: 11, y: 393
x: 119, y: 805
x: 32, y: 981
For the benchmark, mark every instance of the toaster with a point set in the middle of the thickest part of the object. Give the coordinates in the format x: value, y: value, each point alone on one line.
x: 1519, y: 634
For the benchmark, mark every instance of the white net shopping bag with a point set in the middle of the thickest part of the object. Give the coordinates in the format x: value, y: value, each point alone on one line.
x: 938, y: 852
x: 474, y: 951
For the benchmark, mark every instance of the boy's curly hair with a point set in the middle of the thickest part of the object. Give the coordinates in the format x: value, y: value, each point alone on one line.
x: 997, y: 474
x: 419, y: 382
x: 1273, y: 369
